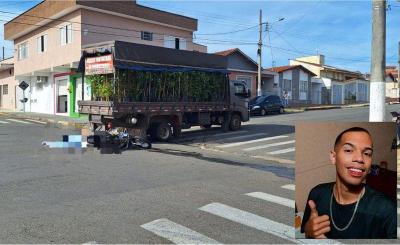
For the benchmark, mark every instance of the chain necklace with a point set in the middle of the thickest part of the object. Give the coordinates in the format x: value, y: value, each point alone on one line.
x: 352, y: 217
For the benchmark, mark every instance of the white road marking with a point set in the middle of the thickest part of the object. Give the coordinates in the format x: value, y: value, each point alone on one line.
x: 398, y: 210
x: 289, y: 187
x: 252, y: 141
x: 398, y: 196
x: 230, y: 133
x: 35, y: 121
x: 18, y: 121
x: 398, y: 232
x: 176, y: 233
x: 269, y: 145
x: 281, y: 151
x: 271, y: 198
x: 3, y: 122
x: 251, y: 220
x: 398, y: 186
x: 243, y: 136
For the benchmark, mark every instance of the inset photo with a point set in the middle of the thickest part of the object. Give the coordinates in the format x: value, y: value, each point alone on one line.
x: 346, y: 180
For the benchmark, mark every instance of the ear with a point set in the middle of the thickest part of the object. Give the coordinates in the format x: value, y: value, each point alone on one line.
x: 332, y: 157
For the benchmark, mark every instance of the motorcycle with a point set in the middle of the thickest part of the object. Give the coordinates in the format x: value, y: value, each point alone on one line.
x: 116, y: 140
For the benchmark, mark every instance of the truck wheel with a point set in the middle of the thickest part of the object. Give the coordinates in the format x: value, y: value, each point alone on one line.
x: 236, y: 122
x: 164, y: 131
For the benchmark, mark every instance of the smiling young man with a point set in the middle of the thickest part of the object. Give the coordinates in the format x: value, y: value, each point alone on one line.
x: 347, y: 208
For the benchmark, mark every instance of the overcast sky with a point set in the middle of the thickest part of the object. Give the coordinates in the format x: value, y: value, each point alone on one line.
x: 341, y: 30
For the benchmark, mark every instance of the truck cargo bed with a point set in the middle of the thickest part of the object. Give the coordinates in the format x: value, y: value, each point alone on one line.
x: 116, y: 109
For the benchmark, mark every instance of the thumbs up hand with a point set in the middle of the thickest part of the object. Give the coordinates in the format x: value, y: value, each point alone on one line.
x: 316, y: 226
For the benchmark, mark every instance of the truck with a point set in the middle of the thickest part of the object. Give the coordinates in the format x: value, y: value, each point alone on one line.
x: 158, y: 91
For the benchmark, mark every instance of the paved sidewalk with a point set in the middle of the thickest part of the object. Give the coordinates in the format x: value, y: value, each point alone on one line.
x: 303, y: 108
x: 63, y: 121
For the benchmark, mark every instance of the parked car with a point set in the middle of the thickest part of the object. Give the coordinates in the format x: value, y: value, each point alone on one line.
x: 261, y: 105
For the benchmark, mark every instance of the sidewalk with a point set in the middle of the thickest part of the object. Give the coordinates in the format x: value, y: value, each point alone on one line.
x: 302, y: 108
x: 63, y: 121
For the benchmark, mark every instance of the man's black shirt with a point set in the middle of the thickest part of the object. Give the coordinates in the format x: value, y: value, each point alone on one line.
x: 376, y: 215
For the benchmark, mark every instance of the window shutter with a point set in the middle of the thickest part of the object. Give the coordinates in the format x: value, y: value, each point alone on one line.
x: 182, y: 44
x: 69, y: 33
x: 63, y: 35
x: 45, y: 43
x: 39, y: 46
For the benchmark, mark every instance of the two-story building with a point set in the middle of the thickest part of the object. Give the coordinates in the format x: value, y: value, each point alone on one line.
x: 392, y: 84
x: 8, y: 85
x: 49, y: 38
x: 329, y: 83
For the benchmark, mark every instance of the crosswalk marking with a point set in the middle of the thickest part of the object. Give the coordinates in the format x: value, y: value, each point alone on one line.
x: 243, y: 136
x: 230, y: 133
x: 35, y: 121
x: 18, y: 121
x: 176, y: 233
x: 398, y: 186
x: 282, y: 151
x: 251, y: 141
x: 251, y: 220
x: 269, y: 145
x: 3, y: 122
x: 398, y: 210
x: 272, y: 198
x: 289, y: 187
x: 398, y: 196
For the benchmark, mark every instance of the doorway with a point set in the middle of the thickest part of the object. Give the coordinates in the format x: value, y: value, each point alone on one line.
x: 62, y: 95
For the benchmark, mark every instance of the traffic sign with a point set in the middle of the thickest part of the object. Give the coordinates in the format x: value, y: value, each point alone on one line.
x: 23, y: 85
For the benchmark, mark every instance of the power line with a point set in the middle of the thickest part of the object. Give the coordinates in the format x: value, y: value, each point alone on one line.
x: 123, y: 29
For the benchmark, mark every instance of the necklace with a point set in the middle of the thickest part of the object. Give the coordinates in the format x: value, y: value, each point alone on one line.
x: 352, y: 217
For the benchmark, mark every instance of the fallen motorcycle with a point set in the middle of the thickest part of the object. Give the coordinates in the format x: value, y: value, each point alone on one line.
x: 116, y: 141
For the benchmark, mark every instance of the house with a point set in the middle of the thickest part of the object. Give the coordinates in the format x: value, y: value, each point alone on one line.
x: 355, y: 90
x: 7, y: 84
x: 326, y: 76
x: 242, y: 67
x: 49, y: 39
x: 296, y: 81
x: 392, y: 84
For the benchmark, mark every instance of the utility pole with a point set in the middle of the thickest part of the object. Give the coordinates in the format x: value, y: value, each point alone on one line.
x: 3, y: 52
x: 378, y: 62
x: 398, y: 75
x: 259, y: 92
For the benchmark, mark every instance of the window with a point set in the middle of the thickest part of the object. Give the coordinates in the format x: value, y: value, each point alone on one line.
x: 287, y: 85
x: 148, y: 36
x: 23, y: 51
x: 66, y: 34
x: 42, y: 44
x: 176, y: 43
x: 303, y: 86
x: 246, y: 79
x: 5, y: 89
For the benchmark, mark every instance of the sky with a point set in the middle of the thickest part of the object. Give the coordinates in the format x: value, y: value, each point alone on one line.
x: 340, y: 30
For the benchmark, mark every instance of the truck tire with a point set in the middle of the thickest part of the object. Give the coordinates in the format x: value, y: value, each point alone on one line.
x: 235, y: 123
x: 164, y: 131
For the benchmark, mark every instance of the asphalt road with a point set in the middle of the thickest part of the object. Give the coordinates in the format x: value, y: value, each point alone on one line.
x: 193, y: 191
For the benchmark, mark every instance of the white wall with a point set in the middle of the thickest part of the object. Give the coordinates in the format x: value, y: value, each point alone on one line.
x: 40, y: 97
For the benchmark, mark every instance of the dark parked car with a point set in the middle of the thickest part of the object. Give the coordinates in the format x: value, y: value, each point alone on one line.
x: 261, y: 105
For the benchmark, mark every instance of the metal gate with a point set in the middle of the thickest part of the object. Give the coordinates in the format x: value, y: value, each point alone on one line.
x: 337, y: 94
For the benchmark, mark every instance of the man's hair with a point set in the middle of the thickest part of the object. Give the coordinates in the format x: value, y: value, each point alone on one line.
x: 353, y: 129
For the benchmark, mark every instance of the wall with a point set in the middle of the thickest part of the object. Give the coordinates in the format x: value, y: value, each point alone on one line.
x: 8, y: 100
x: 239, y: 62
x: 316, y: 69
x: 95, y: 34
x: 315, y: 140
x: 40, y: 96
x: 234, y: 74
x: 56, y: 55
